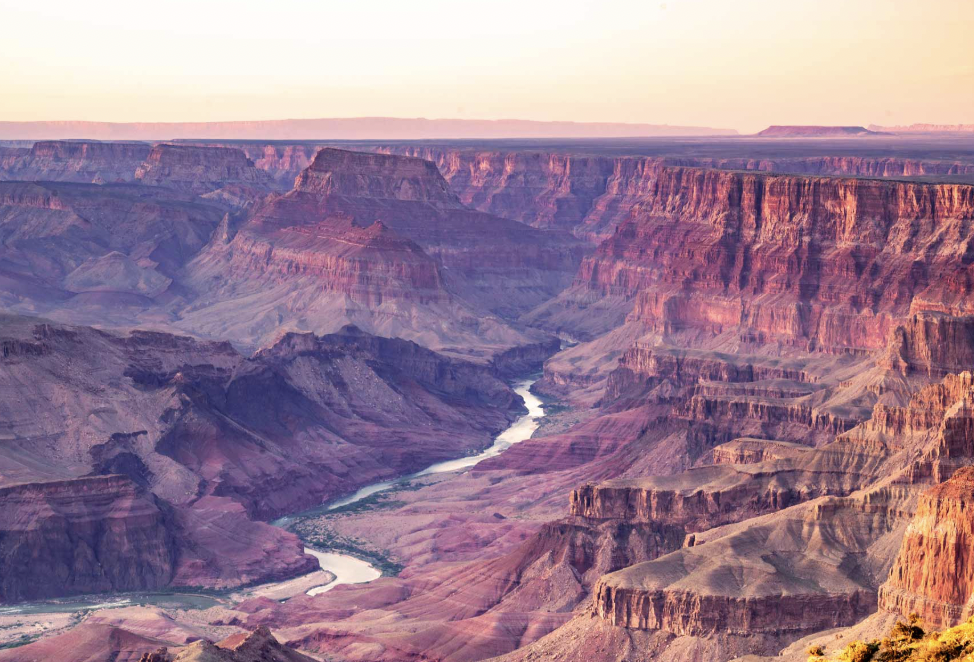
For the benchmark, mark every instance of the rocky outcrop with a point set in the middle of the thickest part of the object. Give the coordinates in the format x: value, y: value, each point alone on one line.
x: 931, y: 343
x: 803, y: 570
x: 85, y: 535
x: 258, y: 646
x: 934, y: 572
x: 198, y: 169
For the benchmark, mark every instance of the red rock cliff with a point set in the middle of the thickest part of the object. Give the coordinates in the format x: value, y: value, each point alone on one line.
x: 829, y: 264
x: 934, y: 571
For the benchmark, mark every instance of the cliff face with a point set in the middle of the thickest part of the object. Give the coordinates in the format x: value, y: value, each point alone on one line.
x: 934, y: 571
x: 591, y: 195
x: 282, y: 162
x: 87, y: 535
x: 823, y: 264
x: 932, y: 344
x: 586, y: 195
x: 198, y: 169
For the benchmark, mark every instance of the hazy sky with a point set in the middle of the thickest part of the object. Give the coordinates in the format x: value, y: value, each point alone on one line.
x: 725, y: 63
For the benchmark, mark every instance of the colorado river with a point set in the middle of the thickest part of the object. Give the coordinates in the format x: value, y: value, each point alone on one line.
x: 350, y: 570
x: 346, y: 568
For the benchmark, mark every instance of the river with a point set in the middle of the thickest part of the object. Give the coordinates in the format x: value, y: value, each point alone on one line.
x: 351, y: 570
x: 347, y: 569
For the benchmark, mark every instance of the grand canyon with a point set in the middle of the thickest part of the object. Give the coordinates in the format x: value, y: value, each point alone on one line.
x: 310, y: 353
x: 664, y: 399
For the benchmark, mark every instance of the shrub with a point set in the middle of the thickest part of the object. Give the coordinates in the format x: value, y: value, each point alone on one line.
x: 859, y: 651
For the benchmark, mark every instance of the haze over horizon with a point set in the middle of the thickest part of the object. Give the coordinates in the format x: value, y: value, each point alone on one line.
x: 742, y: 65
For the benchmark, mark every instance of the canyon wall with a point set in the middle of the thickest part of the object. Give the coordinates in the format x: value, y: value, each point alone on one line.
x: 590, y: 195
x: 820, y: 264
x: 87, y: 535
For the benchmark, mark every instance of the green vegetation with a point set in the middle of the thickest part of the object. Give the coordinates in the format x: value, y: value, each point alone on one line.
x: 22, y: 641
x: 908, y: 642
x: 325, y: 539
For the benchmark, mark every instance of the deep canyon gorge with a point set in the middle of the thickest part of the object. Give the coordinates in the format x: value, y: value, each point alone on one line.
x: 656, y: 399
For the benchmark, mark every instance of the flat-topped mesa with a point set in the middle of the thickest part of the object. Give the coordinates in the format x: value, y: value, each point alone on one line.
x: 934, y: 572
x: 792, y: 131
x: 819, y: 263
x: 375, y: 176
x: 198, y: 168
x: 83, y: 161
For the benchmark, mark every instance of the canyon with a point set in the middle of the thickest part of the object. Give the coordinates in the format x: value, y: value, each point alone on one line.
x: 753, y: 357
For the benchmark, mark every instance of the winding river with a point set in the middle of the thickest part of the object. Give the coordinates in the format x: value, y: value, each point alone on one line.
x: 351, y: 570
x: 347, y: 569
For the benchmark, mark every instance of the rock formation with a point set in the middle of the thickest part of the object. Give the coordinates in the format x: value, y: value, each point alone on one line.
x: 383, y: 243
x: 934, y: 574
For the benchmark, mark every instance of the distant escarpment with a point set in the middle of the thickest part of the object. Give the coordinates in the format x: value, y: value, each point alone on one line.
x: 786, y: 131
x: 87, y: 162
x: 590, y: 195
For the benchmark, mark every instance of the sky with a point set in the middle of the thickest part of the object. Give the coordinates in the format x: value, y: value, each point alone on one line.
x: 742, y: 64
